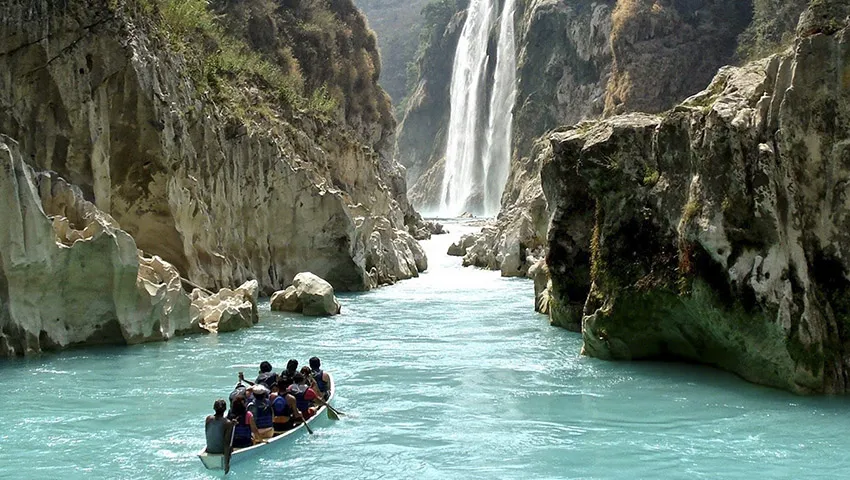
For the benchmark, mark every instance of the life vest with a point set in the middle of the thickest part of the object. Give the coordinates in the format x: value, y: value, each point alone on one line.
x: 283, y: 418
x: 242, y: 431
x: 281, y: 408
x: 323, y: 385
x: 302, y: 403
x: 262, y: 413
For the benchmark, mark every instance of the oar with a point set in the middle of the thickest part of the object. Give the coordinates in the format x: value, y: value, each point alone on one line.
x: 228, y: 450
x: 333, y: 413
x: 306, y: 425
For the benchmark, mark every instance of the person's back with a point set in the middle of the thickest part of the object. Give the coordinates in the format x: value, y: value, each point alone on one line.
x: 304, y: 395
x: 242, y: 418
x: 216, y: 429
x: 284, y: 409
x: 322, y: 378
x: 261, y: 409
x: 286, y: 376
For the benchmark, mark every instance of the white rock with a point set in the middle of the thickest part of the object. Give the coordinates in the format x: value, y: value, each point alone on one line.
x: 69, y: 275
x: 226, y: 311
x: 309, y: 294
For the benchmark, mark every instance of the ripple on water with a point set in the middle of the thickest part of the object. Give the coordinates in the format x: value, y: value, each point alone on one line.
x: 448, y: 376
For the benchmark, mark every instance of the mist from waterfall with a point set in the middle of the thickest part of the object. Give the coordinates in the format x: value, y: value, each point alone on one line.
x: 479, y: 136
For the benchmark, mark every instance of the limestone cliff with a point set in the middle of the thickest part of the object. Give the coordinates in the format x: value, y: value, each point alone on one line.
x: 421, y: 142
x: 717, y: 232
x: 395, y: 23
x: 585, y: 60
x: 69, y: 276
x: 236, y: 140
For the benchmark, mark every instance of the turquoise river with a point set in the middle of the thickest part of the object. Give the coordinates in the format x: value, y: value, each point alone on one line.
x: 448, y: 376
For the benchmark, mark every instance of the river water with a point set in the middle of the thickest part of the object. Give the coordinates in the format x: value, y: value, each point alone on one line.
x: 448, y: 376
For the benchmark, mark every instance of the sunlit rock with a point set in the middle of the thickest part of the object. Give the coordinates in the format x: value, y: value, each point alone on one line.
x: 226, y: 311
x: 309, y: 294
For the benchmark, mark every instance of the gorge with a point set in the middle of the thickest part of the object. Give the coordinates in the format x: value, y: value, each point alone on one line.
x: 651, y: 195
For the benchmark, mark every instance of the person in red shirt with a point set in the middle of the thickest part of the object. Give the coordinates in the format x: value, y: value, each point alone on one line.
x: 305, y: 391
x: 304, y: 395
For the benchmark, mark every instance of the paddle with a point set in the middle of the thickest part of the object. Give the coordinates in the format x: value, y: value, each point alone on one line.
x: 306, y: 425
x: 333, y: 413
x: 228, y: 451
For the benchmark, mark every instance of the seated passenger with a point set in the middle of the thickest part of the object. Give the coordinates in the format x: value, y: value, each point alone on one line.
x: 285, y: 411
x: 218, y: 429
x: 261, y: 410
x: 266, y: 376
x: 244, y: 429
x: 322, y: 378
x: 304, y: 395
x: 289, y: 373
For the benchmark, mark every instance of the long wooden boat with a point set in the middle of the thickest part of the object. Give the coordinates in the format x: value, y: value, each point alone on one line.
x: 216, y: 461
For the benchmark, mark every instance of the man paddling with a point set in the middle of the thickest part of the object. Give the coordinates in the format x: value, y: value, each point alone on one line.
x: 219, y: 433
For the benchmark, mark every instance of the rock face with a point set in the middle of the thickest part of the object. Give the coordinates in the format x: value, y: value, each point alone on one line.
x: 422, y: 137
x: 574, y: 59
x: 395, y: 22
x: 716, y: 232
x: 94, y: 91
x: 69, y: 276
x: 308, y: 294
x: 226, y: 311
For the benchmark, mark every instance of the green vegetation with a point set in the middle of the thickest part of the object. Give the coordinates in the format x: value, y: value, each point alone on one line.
x: 247, y: 80
x: 650, y: 176
x: 772, y: 29
x: 435, y: 17
x: 690, y: 210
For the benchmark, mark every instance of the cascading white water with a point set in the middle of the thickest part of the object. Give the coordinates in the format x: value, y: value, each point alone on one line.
x: 468, y: 74
x: 497, y: 156
x: 475, y: 174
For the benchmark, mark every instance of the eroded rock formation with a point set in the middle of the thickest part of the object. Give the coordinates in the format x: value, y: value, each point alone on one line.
x: 716, y: 232
x: 70, y: 276
x: 586, y: 59
x: 95, y: 91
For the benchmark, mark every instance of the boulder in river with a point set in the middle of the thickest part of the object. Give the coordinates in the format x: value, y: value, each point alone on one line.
x: 226, y: 311
x: 309, y: 294
x: 459, y: 248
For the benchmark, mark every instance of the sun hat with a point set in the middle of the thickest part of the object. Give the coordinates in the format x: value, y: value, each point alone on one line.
x: 259, y: 389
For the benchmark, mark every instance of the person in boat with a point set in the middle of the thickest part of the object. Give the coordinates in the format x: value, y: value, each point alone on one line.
x: 266, y: 377
x: 244, y: 428
x: 239, y: 389
x: 305, y: 394
x: 322, y: 378
x: 261, y: 409
x: 288, y: 374
x: 219, y: 430
x: 285, y: 410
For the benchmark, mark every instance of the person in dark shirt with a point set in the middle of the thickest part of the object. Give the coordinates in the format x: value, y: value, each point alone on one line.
x: 287, y: 375
x: 266, y: 377
x: 322, y: 378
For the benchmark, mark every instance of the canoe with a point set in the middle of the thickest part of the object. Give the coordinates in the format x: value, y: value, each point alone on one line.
x: 216, y: 461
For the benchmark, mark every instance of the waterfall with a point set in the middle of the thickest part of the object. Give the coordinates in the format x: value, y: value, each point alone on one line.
x: 497, y: 156
x: 479, y: 136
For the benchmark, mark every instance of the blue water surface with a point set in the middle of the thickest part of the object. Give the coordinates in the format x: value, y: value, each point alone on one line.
x: 448, y: 376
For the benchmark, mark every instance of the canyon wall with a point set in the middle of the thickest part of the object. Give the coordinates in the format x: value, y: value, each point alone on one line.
x: 236, y: 141
x: 716, y: 232
x: 587, y: 60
